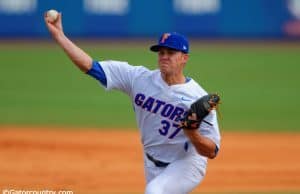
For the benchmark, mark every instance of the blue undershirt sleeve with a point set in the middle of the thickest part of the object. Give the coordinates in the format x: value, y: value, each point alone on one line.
x: 97, y: 72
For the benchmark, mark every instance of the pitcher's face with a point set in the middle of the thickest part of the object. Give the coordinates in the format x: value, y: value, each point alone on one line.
x: 171, y: 61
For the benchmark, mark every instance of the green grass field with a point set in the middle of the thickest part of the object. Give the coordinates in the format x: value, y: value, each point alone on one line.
x: 258, y: 82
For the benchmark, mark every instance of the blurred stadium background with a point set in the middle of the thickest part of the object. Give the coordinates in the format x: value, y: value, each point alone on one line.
x: 127, y: 18
x: 248, y: 51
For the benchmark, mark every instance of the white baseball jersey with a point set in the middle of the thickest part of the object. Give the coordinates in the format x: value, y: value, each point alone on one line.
x: 158, y: 108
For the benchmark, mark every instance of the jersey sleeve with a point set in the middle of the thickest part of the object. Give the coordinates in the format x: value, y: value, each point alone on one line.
x: 209, y: 128
x: 97, y: 72
x: 119, y: 75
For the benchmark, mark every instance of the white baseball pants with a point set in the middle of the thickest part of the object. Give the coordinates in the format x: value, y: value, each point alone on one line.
x: 179, y: 177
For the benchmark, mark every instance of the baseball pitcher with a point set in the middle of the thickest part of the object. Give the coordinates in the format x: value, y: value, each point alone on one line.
x: 175, y: 115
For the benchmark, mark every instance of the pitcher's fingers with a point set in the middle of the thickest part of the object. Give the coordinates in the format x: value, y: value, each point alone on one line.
x: 46, y: 18
x: 59, y: 16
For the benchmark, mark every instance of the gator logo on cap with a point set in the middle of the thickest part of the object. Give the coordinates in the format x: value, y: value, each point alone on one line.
x: 165, y: 36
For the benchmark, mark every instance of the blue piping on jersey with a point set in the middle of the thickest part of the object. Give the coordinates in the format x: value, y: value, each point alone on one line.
x: 97, y: 72
x: 187, y: 79
x: 186, y: 146
x: 216, y: 150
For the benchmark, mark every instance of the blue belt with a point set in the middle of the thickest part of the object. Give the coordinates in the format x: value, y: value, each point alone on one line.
x: 157, y: 163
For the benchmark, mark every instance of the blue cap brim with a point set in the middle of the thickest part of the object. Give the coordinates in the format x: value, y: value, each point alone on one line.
x: 155, y: 48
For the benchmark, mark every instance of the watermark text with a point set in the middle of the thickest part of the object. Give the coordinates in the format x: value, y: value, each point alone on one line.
x: 16, y: 191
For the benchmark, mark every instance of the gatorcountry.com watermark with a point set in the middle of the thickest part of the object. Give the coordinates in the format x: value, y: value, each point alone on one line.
x: 16, y: 191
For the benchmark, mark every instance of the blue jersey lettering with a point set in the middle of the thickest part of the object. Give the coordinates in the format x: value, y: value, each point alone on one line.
x: 139, y: 99
x: 158, y: 105
x: 167, y: 110
x: 176, y: 115
x: 155, y: 106
x: 148, y: 104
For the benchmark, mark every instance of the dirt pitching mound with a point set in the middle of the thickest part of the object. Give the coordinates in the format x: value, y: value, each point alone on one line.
x: 110, y: 161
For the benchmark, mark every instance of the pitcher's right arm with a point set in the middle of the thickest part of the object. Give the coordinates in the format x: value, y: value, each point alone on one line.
x: 80, y: 58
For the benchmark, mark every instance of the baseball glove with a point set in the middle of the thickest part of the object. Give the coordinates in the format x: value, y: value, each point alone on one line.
x: 199, y: 110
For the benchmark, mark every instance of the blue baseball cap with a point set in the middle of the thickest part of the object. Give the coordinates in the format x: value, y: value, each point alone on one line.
x: 172, y: 40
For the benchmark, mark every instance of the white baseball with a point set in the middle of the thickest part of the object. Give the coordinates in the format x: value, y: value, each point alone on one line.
x: 52, y: 15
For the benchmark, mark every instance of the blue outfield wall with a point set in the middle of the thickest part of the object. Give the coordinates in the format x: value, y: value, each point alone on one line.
x: 134, y: 18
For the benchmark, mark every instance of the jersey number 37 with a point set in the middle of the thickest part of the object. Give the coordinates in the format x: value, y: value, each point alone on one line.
x: 169, y: 129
